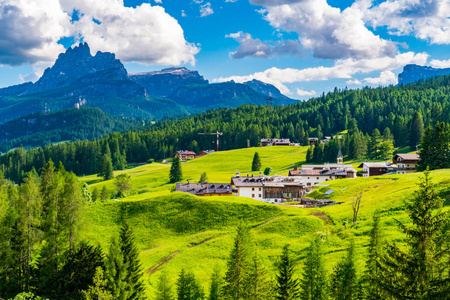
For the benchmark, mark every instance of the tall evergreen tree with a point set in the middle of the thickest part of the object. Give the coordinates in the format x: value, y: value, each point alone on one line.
x: 236, y: 277
x: 309, y: 154
x: 98, y: 290
x: 216, y: 285
x: 344, y: 280
x: 258, y: 282
x: 164, y: 288
x: 116, y: 272
x: 188, y: 287
x: 374, y: 143
x: 286, y: 285
x: 314, y: 284
x: 256, y: 163
x: 176, y: 173
x: 422, y: 271
x: 203, y: 178
x: 416, y: 133
x: 435, y: 148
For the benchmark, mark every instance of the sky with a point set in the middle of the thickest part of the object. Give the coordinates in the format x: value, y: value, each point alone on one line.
x: 303, y: 47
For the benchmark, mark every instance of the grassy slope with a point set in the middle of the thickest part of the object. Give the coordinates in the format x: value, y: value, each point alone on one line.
x: 175, y: 223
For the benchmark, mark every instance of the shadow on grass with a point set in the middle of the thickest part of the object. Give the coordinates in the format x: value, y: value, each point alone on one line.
x: 97, y: 180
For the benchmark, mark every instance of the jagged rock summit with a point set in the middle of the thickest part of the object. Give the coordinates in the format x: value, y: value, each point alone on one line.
x: 412, y: 73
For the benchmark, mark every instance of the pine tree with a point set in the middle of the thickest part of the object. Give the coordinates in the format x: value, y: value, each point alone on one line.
x: 257, y: 282
x: 435, y: 148
x: 188, y: 287
x: 286, y: 286
x: 98, y: 289
x: 256, y: 163
x: 116, y: 270
x: 95, y: 194
x: 130, y: 256
x: 314, y: 284
x: 238, y: 265
x: 176, y: 173
x: 416, y: 133
x: 373, y: 143
x: 203, y: 178
x: 216, y: 285
x: 344, y: 280
x: 422, y: 271
x: 309, y: 154
x: 164, y: 288
x: 105, y: 194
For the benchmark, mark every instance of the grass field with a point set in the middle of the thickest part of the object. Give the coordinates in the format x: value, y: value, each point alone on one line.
x: 177, y: 230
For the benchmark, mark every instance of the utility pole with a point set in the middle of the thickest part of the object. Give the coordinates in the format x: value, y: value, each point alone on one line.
x: 216, y: 134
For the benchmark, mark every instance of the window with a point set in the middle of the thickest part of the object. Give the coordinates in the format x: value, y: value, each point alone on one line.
x: 309, y: 183
x: 253, y: 189
x: 259, y: 195
x: 317, y: 178
x: 253, y: 195
x: 259, y: 189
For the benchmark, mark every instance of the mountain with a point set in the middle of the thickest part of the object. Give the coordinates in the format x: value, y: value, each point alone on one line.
x: 72, y: 124
x: 102, y: 81
x: 413, y: 73
x: 165, y: 82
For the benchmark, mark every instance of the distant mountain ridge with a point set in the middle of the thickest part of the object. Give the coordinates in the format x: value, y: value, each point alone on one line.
x: 102, y: 81
x: 413, y: 73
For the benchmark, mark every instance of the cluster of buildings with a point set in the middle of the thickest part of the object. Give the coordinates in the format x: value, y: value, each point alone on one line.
x: 186, y: 154
x: 401, y: 164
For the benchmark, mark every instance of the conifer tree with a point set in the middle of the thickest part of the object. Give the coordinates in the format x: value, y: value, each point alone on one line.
x: 176, y: 173
x: 373, y: 143
x: 258, y: 282
x: 286, y: 285
x: 188, y: 287
x: 422, y: 271
x: 104, y: 194
x: 435, y: 148
x: 314, y: 284
x: 216, y: 285
x: 203, y: 178
x: 256, y: 163
x: 130, y: 256
x: 164, y: 289
x: 98, y: 290
x: 309, y: 154
x: 236, y: 277
x: 344, y: 280
x: 116, y: 270
x: 95, y: 194
x: 416, y: 133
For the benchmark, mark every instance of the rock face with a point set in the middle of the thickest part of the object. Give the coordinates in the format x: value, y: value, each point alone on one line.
x: 266, y: 89
x: 163, y: 83
x: 412, y: 73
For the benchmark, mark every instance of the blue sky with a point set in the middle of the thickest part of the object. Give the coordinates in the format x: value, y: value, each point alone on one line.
x: 304, y: 47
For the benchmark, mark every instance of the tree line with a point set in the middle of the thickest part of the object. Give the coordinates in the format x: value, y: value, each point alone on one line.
x: 399, y: 113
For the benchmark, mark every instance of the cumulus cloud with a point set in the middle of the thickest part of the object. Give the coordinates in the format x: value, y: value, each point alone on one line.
x: 440, y: 63
x: 30, y: 31
x: 327, y: 31
x: 303, y: 93
x: 250, y: 47
x: 385, y: 78
x: 426, y: 19
x: 353, y: 82
x: 206, y: 10
x: 342, y: 69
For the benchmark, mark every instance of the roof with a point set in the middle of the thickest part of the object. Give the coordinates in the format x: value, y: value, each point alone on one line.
x: 322, y: 172
x: 204, y: 188
x: 328, y: 166
x: 276, y: 141
x: 340, y: 153
x: 207, y: 151
x: 266, y: 181
x: 185, y: 152
x: 375, y: 164
x: 408, y: 156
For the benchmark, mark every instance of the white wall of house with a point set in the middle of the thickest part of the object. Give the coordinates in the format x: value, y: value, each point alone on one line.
x: 256, y: 193
x: 310, y: 180
x: 366, y: 171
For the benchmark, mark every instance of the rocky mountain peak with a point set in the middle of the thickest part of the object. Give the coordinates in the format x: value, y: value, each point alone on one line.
x: 412, y: 73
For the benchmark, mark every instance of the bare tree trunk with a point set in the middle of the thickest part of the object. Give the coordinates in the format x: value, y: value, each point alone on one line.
x: 355, y: 207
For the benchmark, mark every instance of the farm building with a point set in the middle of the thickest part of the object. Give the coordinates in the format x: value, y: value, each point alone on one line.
x: 185, y: 154
x: 377, y: 168
x: 205, y: 189
x: 406, y: 163
x: 205, y: 152
x: 276, y: 142
x: 312, y: 175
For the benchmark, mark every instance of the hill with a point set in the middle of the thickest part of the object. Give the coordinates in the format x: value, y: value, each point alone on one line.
x: 102, y: 81
x: 39, y: 129
x: 177, y: 230
x: 413, y: 73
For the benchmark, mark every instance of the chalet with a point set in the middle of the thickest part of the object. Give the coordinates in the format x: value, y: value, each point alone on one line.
x: 313, y: 140
x: 276, y: 142
x: 271, y: 189
x: 205, y: 189
x: 377, y: 168
x: 406, y: 163
x: 185, y: 154
x: 205, y: 152
x: 312, y: 175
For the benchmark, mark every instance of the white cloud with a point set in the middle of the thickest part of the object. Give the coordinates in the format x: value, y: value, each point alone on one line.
x: 426, y: 19
x: 231, y: 1
x: 353, y: 82
x: 206, y: 10
x: 303, y: 93
x: 385, y: 78
x: 158, y: 1
x: 327, y: 31
x: 440, y: 63
x: 30, y: 31
x: 183, y: 13
x: 250, y: 47
x: 343, y: 69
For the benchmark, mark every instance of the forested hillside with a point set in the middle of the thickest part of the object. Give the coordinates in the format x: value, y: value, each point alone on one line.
x: 72, y: 124
x: 405, y: 110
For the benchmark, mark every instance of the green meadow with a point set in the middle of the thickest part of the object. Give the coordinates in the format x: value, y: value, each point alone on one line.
x: 177, y: 230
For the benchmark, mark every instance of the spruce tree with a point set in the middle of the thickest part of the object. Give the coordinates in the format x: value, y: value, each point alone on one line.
x: 98, y: 289
x: 309, y: 154
x: 203, y: 178
x: 422, y: 271
x: 164, y: 288
x: 238, y: 265
x: 435, y: 148
x: 286, y: 285
x: 130, y: 256
x: 256, y: 163
x: 344, y: 283
x: 104, y: 194
x: 116, y: 272
x: 176, y: 173
x: 188, y: 288
x: 216, y: 285
x: 258, y: 282
x: 314, y: 284
x: 373, y: 143
x: 416, y: 133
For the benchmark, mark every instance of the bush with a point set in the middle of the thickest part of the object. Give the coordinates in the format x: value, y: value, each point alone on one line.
x: 150, y: 161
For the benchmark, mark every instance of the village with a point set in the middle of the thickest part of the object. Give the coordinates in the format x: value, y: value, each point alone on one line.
x: 301, y: 180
